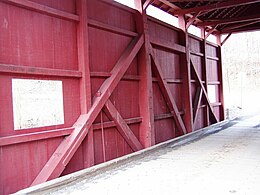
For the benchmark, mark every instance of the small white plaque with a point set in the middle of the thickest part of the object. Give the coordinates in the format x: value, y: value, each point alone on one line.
x: 212, y: 93
x: 37, y: 103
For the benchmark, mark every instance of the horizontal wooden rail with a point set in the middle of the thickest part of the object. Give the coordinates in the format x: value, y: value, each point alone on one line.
x: 43, y: 9
x: 175, y: 81
x: 216, y: 104
x: 212, y: 58
x: 165, y: 116
x: 108, y: 74
x: 209, y: 82
x: 174, y: 47
x: 214, y: 82
x: 110, y: 124
x: 196, y: 53
x: 29, y: 137
x: 22, y: 138
x: 103, y: 26
x: 15, y: 69
x: 195, y: 81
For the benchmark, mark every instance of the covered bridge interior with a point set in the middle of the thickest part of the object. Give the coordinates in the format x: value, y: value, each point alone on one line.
x: 87, y: 81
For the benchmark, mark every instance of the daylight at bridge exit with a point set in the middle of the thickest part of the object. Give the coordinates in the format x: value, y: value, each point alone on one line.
x: 130, y: 97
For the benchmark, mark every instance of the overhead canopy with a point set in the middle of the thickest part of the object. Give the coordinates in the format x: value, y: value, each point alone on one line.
x: 219, y: 17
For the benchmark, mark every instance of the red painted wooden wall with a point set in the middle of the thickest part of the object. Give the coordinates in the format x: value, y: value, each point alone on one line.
x: 83, y: 44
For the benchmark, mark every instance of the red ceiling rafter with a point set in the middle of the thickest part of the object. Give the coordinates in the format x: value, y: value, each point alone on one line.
x: 215, y: 6
x: 147, y: 3
x: 226, y: 38
x: 235, y: 26
x: 230, y: 20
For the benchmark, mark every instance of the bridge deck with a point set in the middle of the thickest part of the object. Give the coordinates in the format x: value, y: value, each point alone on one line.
x: 226, y: 162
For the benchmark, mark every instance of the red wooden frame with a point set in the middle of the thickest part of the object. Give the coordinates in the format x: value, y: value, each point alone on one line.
x: 136, y: 51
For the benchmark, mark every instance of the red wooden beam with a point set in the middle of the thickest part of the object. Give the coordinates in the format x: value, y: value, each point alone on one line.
x: 221, y: 90
x: 186, y: 76
x: 28, y: 70
x: 108, y: 74
x: 43, y: 9
x: 169, y: 45
x: 230, y: 20
x: 85, y: 82
x: 197, y: 101
x: 122, y: 127
x: 191, y: 20
x: 167, y: 95
x: 147, y: 3
x: 242, y: 29
x: 29, y: 137
x: 235, y: 26
x: 109, y: 28
x: 109, y: 124
x: 211, y: 7
x: 210, y: 31
x: 214, y: 117
x: 222, y: 43
x: 171, y: 5
x: 205, y: 74
x: 62, y: 155
x: 146, y: 130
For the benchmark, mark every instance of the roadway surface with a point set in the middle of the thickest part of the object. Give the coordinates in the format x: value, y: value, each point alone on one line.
x: 227, y: 162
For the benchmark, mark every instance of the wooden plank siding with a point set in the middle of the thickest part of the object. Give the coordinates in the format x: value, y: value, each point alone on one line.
x: 108, y: 58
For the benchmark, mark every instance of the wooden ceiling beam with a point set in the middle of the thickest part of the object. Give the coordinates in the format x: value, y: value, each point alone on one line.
x: 215, y: 6
x: 230, y: 20
x: 238, y: 30
x: 170, y: 5
x: 147, y: 3
x: 227, y: 37
x: 235, y: 26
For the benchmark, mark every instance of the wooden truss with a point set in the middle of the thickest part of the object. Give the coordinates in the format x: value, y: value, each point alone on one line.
x: 61, y: 157
x: 202, y: 91
x: 167, y: 94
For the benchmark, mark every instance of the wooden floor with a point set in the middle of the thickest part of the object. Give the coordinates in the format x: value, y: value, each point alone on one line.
x: 226, y: 162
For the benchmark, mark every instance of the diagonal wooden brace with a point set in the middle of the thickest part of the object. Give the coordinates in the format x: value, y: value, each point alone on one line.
x: 147, y: 3
x: 197, y: 101
x: 122, y: 127
x: 167, y: 94
x: 215, y: 119
x: 67, y: 148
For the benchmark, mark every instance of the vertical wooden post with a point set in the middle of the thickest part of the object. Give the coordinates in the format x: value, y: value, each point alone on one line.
x: 220, y: 77
x: 204, y: 72
x: 147, y: 134
x: 85, y: 82
x: 186, y: 76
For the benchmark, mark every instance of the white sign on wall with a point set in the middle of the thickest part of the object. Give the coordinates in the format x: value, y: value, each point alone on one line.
x: 212, y: 93
x: 37, y: 103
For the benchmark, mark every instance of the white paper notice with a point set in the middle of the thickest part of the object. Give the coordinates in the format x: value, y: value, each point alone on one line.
x: 37, y: 103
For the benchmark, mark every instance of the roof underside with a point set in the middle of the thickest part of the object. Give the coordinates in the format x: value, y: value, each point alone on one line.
x: 219, y: 17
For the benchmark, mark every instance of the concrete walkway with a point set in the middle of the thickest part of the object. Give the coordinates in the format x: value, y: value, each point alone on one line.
x: 227, y: 162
